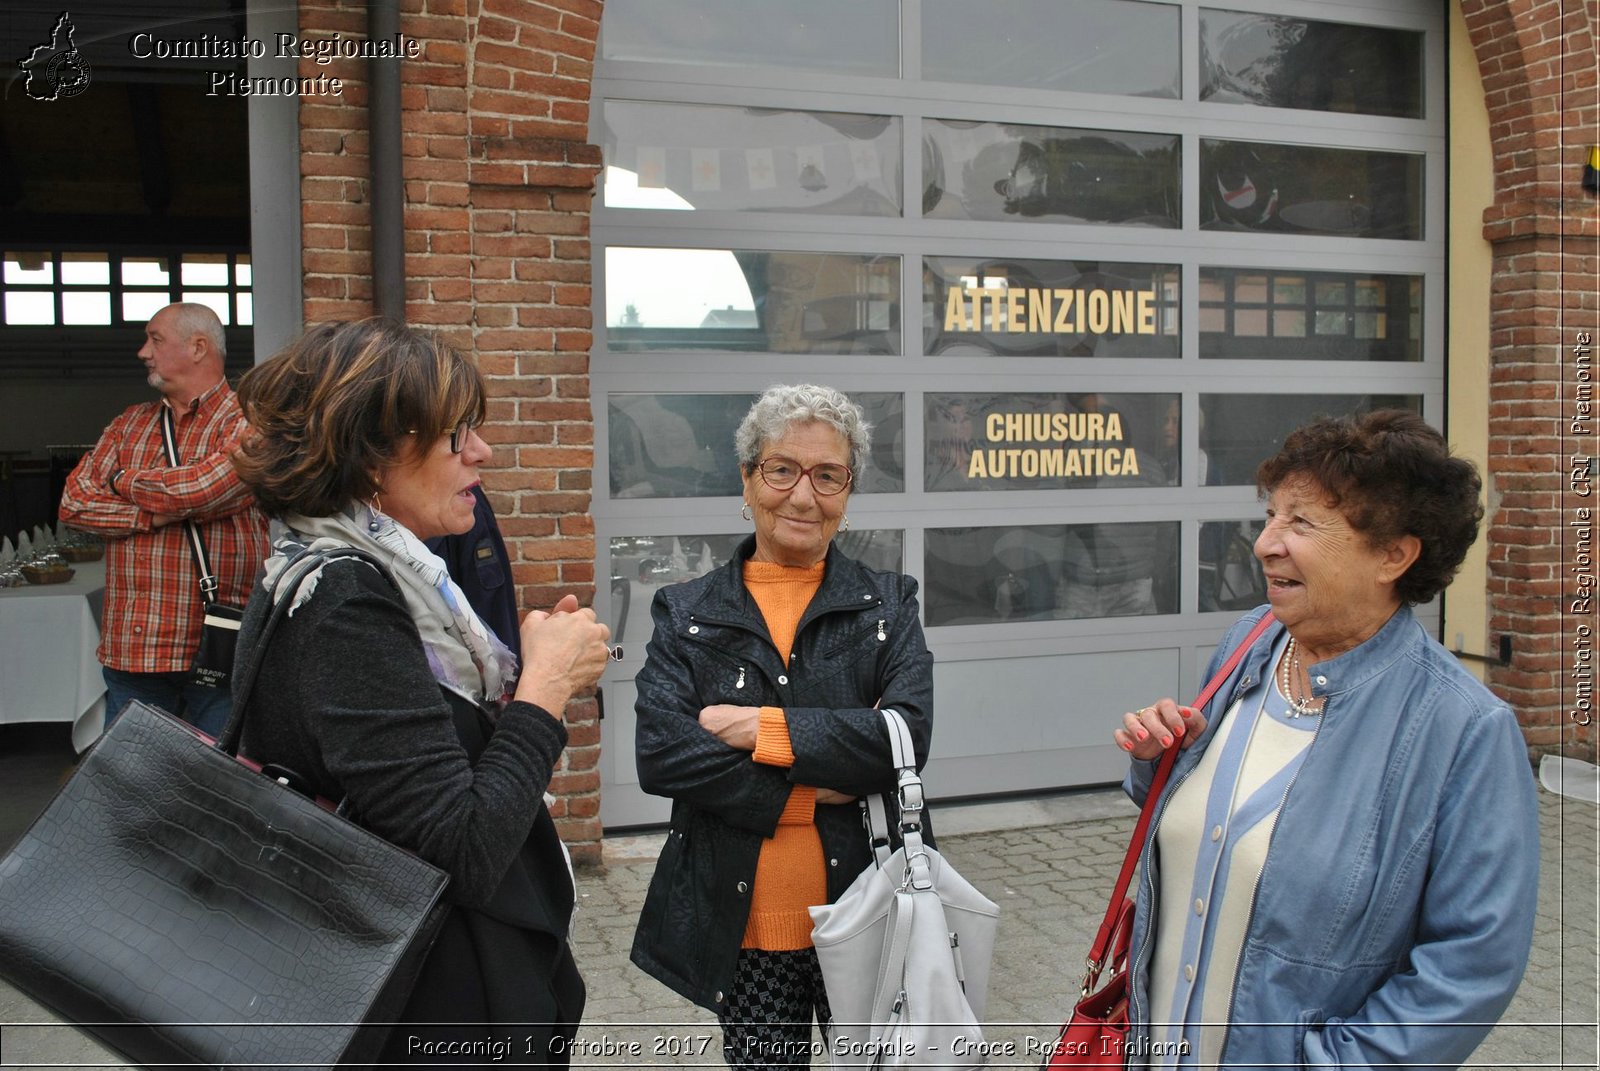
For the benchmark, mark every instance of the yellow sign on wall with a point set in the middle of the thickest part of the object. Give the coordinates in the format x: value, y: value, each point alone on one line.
x: 1034, y: 462
x: 1050, y: 310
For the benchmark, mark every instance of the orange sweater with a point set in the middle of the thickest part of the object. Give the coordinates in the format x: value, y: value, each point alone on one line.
x: 790, y: 873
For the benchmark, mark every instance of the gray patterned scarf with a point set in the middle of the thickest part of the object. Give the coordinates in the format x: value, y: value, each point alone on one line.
x: 463, y: 654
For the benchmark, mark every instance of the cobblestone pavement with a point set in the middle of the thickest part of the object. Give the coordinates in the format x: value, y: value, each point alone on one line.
x: 1051, y: 881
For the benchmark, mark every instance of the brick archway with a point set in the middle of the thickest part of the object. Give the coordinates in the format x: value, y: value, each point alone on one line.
x: 1539, y: 71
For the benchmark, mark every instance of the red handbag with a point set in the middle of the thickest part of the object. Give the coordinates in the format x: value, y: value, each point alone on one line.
x: 1097, y: 1032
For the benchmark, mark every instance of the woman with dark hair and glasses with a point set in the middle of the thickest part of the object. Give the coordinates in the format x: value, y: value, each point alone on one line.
x: 382, y: 687
x: 758, y: 710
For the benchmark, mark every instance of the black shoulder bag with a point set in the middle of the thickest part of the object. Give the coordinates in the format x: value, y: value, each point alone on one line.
x: 219, y: 631
x: 186, y: 909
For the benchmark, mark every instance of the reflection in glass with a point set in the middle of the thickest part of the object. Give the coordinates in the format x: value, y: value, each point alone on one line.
x: 997, y: 171
x: 1168, y: 454
x: 885, y: 469
x: 1319, y: 316
x: 981, y: 576
x: 1283, y: 62
x: 1049, y: 308
x: 1230, y: 576
x: 998, y: 442
x: 837, y: 36
x: 1239, y: 431
x: 681, y: 445
x: 1086, y: 46
x: 711, y: 157
x: 674, y: 445
x: 1304, y: 189
x: 641, y: 564
x: 751, y: 301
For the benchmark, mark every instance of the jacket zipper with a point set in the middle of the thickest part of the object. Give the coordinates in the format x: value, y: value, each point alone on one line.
x: 834, y: 608
x: 744, y: 626
x: 694, y: 620
x: 722, y: 654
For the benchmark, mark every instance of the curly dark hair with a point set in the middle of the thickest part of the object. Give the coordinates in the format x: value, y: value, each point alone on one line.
x: 1391, y: 475
x: 329, y: 413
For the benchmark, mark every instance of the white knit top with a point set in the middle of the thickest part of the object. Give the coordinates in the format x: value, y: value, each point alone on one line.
x: 1212, y: 841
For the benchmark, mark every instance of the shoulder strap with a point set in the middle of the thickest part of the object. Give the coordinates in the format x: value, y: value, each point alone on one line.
x: 249, y: 666
x: 909, y: 790
x: 889, y: 993
x: 197, y: 546
x: 1102, y: 939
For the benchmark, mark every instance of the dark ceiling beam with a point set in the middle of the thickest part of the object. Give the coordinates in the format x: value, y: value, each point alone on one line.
x: 144, y: 106
x: 75, y: 231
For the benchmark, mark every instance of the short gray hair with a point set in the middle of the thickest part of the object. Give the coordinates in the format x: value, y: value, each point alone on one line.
x: 785, y: 405
x: 191, y: 319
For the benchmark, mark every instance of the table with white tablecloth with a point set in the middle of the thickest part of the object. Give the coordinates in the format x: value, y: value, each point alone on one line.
x: 48, y: 637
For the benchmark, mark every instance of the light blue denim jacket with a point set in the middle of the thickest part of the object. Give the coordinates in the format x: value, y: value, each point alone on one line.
x: 1394, y: 914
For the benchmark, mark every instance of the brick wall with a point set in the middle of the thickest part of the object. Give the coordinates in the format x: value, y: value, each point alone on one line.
x: 1538, y: 61
x: 498, y: 179
x: 498, y: 175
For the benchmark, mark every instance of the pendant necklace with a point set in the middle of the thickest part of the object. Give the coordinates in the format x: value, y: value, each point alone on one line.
x: 1289, y: 668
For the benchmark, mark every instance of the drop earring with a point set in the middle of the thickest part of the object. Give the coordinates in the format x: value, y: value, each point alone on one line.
x: 744, y: 511
x: 844, y: 525
x: 376, y: 506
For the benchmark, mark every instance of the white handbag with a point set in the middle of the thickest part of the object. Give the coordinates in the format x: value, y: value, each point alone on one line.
x: 905, y: 950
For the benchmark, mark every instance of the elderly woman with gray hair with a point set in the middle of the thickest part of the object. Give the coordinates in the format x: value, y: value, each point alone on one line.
x: 758, y: 716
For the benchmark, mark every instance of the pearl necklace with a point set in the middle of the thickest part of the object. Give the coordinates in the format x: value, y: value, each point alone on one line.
x: 1288, y: 668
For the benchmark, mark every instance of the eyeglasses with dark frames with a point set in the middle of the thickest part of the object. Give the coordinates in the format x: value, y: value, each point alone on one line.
x: 458, y: 434
x: 783, y: 473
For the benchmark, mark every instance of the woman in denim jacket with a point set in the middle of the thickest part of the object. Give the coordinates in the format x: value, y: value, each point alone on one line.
x: 1344, y: 867
x: 758, y: 710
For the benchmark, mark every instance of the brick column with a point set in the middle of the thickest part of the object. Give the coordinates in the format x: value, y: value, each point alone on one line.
x: 498, y: 181
x: 1540, y: 82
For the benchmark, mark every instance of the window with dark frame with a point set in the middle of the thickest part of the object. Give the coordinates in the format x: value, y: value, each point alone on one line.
x: 73, y: 288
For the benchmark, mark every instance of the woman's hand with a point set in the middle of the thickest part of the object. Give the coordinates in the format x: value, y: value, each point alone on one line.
x: 563, y: 653
x: 734, y: 726
x: 1149, y: 731
x: 834, y: 796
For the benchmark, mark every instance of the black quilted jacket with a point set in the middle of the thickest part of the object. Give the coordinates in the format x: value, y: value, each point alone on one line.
x: 859, y: 646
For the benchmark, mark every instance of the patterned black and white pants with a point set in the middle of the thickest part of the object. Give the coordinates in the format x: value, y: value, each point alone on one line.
x: 767, y: 1019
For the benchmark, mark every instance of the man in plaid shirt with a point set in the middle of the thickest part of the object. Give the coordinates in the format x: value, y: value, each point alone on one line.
x: 125, y: 491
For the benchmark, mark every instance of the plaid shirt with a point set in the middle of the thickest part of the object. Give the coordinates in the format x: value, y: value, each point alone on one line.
x: 153, y: 608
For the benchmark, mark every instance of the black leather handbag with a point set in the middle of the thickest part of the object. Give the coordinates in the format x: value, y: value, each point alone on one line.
x: 185, y: 909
